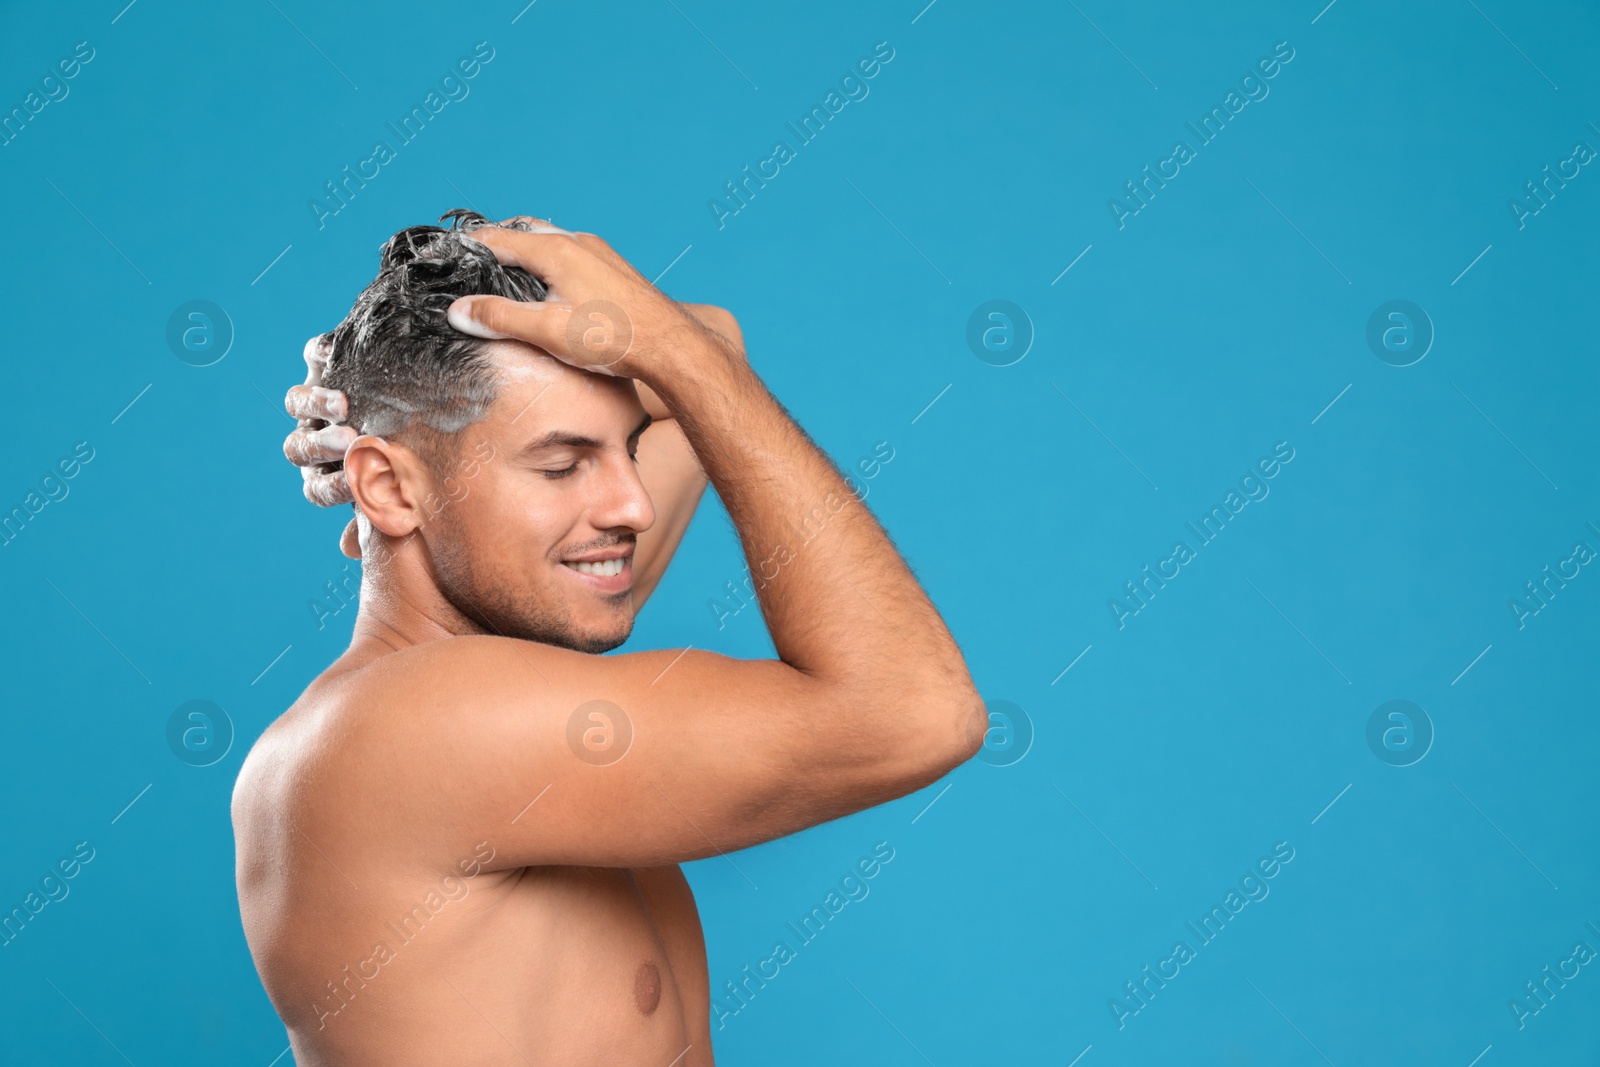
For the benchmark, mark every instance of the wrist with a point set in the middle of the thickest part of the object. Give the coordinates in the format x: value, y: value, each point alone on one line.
x: 691, y: 361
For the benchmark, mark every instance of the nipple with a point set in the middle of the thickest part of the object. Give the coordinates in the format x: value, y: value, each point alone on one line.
x: 646, y: 987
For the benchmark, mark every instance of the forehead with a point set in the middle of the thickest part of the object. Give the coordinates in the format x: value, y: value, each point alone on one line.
x: 537, y: 389
x: 519, y: 362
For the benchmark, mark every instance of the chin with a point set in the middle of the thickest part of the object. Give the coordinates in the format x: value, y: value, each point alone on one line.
x: 602, y: 637
x: 580, y: 626
x: 596, y: 644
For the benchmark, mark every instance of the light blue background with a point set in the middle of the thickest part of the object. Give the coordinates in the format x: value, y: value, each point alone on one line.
x: 1226, y: 316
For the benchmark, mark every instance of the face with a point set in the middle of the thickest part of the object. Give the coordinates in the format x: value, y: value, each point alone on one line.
x: 546, y: 478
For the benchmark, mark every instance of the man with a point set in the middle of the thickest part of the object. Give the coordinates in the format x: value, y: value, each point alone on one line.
x: 460, y: 844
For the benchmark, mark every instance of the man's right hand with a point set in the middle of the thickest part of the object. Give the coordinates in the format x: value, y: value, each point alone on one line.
x: 601, y: 314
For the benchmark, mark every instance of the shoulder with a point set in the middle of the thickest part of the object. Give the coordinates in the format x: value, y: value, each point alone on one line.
x: 453, y: 707
x: 411, y: 698
x: 438, y: 678
x: 395, y: 742
x: 413, y: 703
x: 481, y: 673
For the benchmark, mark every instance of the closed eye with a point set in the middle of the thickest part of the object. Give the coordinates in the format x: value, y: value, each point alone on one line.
x: 565, y: 471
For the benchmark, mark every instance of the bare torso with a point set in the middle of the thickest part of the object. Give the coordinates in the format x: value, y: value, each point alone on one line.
x: 375, y: 952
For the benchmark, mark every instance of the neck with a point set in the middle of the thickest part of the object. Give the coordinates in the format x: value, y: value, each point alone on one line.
x: 400, y: 603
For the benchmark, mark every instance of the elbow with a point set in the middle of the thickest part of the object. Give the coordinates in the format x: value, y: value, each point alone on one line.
x: 946, y: 743
x: 954, y: 737
x: 971, y: 730
x: 913, y: 748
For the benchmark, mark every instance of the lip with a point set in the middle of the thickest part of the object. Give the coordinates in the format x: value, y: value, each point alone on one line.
x: 614, y: 552
x: 617, y: 583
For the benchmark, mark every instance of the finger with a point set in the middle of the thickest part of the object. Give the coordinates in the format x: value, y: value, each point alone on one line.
x: 317, y: 402
x: 316, y: 355
x: 523, y: 222
x: 305, y: 447
x: 542, y: 324
x: 326, y: 489
x: 544, y: 252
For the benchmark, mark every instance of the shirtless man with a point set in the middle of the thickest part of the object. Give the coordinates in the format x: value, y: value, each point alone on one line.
x: 460, y: 844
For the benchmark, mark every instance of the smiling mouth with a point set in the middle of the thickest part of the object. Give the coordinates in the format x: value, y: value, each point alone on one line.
x: 608, y: 568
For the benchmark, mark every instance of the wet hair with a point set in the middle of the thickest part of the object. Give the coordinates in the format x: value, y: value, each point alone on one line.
x: 410, y: 377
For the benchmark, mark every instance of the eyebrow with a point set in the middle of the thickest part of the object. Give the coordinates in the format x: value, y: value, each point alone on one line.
x: 566, y: 438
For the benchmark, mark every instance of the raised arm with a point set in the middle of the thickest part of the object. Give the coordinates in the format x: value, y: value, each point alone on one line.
x: 640, y: 759
x: 670, y: 471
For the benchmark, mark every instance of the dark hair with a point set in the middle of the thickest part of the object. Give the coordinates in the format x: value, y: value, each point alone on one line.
x: 408, y: 374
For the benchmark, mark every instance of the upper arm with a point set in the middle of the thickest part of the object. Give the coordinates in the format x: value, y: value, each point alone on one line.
x: 670, y: 471
x: 673, y: 477
x: 646, y: 758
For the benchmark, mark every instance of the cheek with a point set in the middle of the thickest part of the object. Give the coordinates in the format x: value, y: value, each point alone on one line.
x: 509, y: 520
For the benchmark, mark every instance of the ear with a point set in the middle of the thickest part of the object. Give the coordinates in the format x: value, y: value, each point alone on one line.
x: 387, y: 481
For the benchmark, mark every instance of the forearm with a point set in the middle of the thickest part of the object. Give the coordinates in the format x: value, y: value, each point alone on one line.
x: 671, y: 473
x: 716, y: 319
x: 675, y: 481
x: 838, y: 599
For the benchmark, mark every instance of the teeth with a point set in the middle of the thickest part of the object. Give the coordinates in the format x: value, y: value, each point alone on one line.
x: 605, y: 569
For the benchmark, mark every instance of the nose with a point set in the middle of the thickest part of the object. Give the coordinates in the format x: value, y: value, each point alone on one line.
x: 622, y: 499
